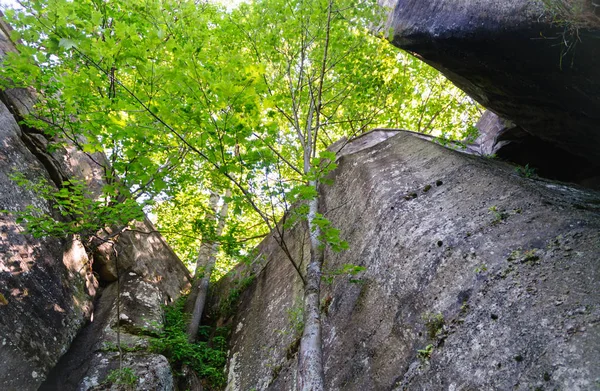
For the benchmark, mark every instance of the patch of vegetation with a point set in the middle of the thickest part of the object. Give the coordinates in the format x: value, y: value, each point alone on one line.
x: 348, y: 269
x: 425, y: 354
x: 325, y: 303
x: 207, y: 357
x: 573, y: 14
x: 296, y: 318
x: 481, y: 268
x: 124, y: 377
x: 113, y: 347
x: 434, y: 323
x: 528, y: 256
x: 525, y: 171
x: 499, y: 215
x: 229, y: 305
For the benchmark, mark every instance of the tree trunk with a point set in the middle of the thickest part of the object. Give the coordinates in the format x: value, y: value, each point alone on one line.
x: 311, y: 375
x: 203, y: 255
x: 207, y: 256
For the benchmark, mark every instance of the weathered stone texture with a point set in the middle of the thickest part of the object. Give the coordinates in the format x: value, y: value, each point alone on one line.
x: 47, y: 285
x: 510, y: 263
x: 512, y: 58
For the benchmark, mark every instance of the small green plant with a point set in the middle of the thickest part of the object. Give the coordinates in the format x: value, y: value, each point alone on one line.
x: 122, y: 377
x: 325, y: 303
x: 296, y: 318
x: 229, y: 305
x: 573, y: 14
x: 481, y: 268
x: 499, y: 215
x: 528, y: 256
x: 425, y: 354
x: 348, y: 269
x: 525, y: 171
x: 434, y: 323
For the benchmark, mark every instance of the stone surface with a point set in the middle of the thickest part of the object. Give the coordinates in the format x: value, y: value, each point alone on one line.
x: 503, y: 139
x: 142, y: 250
x: 508, y: 266
x: 511, y: 58
x: 47, y: 285
x: 147, y: 282
x: 152, y: 372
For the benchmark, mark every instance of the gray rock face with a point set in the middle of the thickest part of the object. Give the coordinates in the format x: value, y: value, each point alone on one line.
x: 505, y: 140
x: 476, y: 279
x: 510, y: 57
x: 47, y: 286
x: 152, y: 371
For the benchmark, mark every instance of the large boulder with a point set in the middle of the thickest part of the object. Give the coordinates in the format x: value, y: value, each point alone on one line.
x: 476, y: 279
x: 526, y: 60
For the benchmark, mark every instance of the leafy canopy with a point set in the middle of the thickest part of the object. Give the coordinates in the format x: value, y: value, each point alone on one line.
x: 186, y: 97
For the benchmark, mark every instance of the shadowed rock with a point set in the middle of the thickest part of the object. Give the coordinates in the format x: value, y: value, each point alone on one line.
x: 47, y: 286
x: 512, y: 58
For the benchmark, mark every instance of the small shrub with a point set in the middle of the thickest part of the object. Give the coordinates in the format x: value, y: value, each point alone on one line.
x: 525, y: 171
x: 434, y: 323
x: 499, y: 215
x: 122, y: 377
x: 296, y: 318
x: 425, y: 354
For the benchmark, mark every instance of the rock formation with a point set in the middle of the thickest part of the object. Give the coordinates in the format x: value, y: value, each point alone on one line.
x: 476, y: 278
x: 523, y: 61
x: 51, y: 288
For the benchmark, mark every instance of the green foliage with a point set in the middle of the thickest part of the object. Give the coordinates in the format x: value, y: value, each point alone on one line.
x: 296, y: 318
x: 573, y: 14
x: 481, y: 268
x: 73, y: 209
x: 346, y: 269
x: 125, y: 377
x: 425, y: 354
x: 434, y: 323
x: 498, y: 214
x: 229, y: 304
x: 106, y: 74
x: 525, y: 171
x: 329, y: 235
x: 527, y: 256
x: 207, y: 357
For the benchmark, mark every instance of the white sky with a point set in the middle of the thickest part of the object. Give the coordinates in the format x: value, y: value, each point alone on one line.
x: 230, y: 4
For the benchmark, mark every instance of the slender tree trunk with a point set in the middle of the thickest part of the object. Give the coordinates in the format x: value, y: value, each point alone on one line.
x: 207, y: 256
x: 311, y: 375
x: 203, y: 254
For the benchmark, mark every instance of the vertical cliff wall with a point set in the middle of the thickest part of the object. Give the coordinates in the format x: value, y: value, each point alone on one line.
x: 51, y: 290
x: 476, y: 279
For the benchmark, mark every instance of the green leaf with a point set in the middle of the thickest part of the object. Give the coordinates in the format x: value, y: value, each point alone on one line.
x: 67, y: 43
